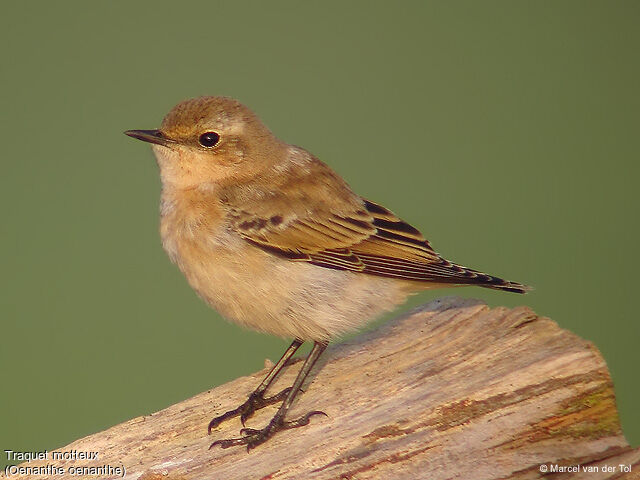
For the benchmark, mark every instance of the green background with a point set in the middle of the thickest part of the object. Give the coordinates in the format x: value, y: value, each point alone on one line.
x: 506, y: 131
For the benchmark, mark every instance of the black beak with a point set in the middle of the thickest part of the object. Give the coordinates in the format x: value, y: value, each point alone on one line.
x: 151, y: 136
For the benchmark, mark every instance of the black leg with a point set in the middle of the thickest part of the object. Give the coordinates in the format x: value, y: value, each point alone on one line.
x: 253, y: 437
x: 257, y: 400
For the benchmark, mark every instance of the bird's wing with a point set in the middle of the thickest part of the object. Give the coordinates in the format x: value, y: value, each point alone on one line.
x: 313, y: 216
x: 369, y: 239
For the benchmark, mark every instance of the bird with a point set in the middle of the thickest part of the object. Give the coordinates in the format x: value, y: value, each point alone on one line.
x: 276, y: 241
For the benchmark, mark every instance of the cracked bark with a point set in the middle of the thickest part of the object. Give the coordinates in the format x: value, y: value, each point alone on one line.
x: 453, y: 389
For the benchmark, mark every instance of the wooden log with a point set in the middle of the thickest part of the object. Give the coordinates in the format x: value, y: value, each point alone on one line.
x: 453, y: 389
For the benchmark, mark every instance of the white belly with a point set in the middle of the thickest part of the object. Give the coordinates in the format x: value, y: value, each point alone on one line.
x: 282, y: 297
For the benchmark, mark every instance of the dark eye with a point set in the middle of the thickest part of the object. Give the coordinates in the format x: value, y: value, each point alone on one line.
x: 209, y: 139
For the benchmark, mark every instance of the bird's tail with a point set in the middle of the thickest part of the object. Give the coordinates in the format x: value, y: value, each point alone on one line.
x: 467, y: 276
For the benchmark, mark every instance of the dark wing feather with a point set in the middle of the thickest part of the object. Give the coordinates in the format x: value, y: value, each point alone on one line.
x: 370, y: 239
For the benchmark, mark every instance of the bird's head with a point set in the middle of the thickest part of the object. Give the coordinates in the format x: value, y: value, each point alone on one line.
x: 210, y: 140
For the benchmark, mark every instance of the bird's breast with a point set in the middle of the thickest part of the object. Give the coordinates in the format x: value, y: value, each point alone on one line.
x: 262, y: 291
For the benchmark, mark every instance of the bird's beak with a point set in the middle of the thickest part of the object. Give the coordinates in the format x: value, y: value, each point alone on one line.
x: 151, y: 136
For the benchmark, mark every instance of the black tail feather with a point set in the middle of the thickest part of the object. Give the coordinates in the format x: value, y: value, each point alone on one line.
x: 473, y: 277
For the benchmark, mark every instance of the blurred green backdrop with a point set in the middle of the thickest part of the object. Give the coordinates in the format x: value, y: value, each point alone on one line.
x: 507, y: 131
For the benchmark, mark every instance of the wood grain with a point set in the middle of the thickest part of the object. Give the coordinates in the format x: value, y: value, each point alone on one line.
x: 453, y: 389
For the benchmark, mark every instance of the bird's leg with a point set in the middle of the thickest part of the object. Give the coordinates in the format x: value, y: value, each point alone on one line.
x: 253, y: 437
x: 257, y: 400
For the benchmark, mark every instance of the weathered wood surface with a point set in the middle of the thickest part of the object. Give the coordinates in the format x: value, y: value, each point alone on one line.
x: 453, y: 389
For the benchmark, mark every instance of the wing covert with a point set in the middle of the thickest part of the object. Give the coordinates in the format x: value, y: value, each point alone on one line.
x: 369, y: 239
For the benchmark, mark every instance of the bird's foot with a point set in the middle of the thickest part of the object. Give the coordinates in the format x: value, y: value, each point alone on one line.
x: 255, y: 402
x: 252, y: 437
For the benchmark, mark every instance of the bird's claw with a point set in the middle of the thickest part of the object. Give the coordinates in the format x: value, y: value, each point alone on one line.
x: 252, y: 437
x: 255, y: 402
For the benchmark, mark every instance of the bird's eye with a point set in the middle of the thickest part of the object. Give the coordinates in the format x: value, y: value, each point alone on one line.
x: 209, y: 139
